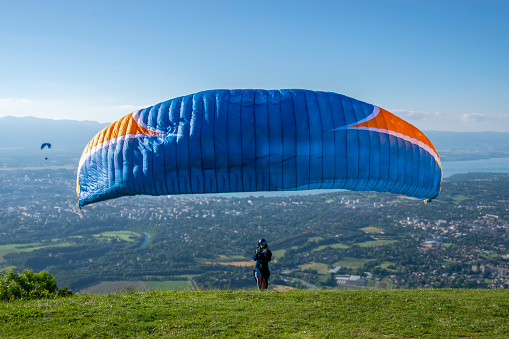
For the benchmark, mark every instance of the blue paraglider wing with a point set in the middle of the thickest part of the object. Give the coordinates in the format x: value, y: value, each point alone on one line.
x: 258, y: 140
x: 48, y: 145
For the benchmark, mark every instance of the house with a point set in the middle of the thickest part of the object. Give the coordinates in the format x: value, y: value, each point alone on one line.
x: 334, y: 270
x: 352, y: 280
x: 431, y: 244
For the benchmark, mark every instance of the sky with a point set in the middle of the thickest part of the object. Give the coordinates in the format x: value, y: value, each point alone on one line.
x: 440, y: 65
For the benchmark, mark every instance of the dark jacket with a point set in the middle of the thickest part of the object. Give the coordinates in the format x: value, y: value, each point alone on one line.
x: 262, y: 258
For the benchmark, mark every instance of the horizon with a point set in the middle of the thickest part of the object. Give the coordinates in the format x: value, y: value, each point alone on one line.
x: 67, y: 119
x: 439, y: 66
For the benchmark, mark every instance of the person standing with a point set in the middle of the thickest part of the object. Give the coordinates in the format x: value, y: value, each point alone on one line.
x: 262, y: 256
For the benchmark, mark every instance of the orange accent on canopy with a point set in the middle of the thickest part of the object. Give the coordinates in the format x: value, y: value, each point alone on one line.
x: 387, y: 120
x: 125, y: 126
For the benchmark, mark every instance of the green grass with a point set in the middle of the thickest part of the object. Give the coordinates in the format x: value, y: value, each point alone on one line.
x: 122, y: 286
x: 113, y: 287
x: 242, y: 314
x: 168, y: 285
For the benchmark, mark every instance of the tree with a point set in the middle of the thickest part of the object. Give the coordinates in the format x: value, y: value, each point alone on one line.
x: 28, y: 285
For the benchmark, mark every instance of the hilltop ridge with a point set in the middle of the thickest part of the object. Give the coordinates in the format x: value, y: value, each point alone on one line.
x: 301, y: 314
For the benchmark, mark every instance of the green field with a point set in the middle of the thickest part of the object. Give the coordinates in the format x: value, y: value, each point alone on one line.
x: 319, y: 267
x: 123, y: 235
x: 352, y: 262
x: 278, y: 253
x: 386, y: 264
x: 319, y: 248
x: 376, y: 242
x: 371, y: 229
x: 31, y: 247
x: 13, y: 246
x: 17, y: 248
x: 427, y: 313
x: 459, y: 198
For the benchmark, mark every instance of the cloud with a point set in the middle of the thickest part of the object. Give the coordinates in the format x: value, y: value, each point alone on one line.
x: 14, y: 100
x: 478, y: 117
x: 473, y: 117
x: 468, y: 122
x: 413, y: 115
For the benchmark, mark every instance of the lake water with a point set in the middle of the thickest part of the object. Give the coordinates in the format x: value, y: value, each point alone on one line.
x: 145, y: 240
x: 494, y: 165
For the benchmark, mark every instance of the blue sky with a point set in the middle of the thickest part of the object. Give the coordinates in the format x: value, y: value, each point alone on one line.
x: 441, y: 65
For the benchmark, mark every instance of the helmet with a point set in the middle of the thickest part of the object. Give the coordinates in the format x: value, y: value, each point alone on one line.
x: 262, y: 241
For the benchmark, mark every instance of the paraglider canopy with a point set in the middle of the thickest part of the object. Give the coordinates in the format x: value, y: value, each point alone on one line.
x: 251, y: 140
x: 46, y: 145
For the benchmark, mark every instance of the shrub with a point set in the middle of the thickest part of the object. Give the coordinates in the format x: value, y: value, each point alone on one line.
x: 29, y: 285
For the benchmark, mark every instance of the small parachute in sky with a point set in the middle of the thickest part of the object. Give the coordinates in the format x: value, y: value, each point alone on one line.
x: 46, y: 145
x: 258, y: 140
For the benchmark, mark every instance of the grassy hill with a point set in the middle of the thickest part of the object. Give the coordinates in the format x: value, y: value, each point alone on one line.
x: 294, y: 314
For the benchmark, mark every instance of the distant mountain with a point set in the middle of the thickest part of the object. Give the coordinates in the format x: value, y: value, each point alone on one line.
x: 21, y: 139
x: 30, y: 132
x: 469, y: 145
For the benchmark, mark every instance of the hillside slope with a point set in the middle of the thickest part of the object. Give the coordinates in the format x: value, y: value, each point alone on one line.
x: 299, y: 314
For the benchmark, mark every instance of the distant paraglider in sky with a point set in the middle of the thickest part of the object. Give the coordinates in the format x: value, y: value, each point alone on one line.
x: 46, y: 145
x: 258, y: 140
